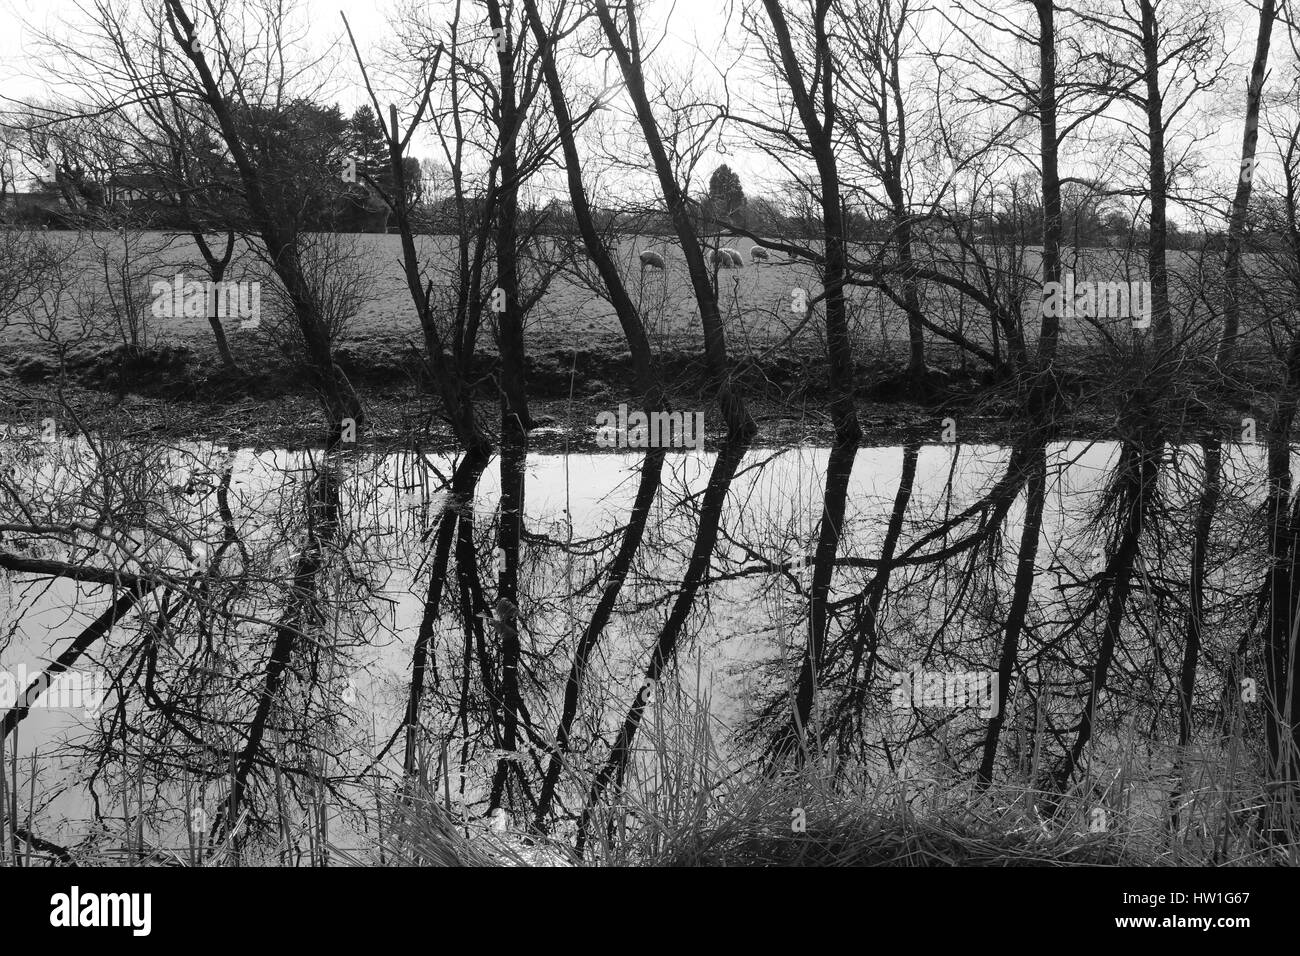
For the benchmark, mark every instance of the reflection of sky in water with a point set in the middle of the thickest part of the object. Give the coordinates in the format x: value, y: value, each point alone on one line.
x: 390, y: 506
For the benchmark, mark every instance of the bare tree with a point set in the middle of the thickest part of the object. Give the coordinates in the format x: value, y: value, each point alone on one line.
x: 270, y: 218
x: 627, y: 51
x: 1245, y: 179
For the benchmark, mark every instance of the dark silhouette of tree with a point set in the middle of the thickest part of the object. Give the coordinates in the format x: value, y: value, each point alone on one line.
x: 268, y: 147
x: 367, y: 146
x: 726, y: 195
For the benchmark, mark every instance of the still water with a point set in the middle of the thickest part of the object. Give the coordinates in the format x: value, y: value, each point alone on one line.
x: 329, y: 571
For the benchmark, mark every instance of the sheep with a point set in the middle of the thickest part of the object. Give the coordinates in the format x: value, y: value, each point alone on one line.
x: 756, y: 253
x: 651, y: 259
x: 727, y: 259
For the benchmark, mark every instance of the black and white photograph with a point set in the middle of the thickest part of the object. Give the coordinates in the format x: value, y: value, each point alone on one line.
x: 578, y: 434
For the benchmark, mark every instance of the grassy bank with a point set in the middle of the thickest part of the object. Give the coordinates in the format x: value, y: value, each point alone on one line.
x: 180, y: 391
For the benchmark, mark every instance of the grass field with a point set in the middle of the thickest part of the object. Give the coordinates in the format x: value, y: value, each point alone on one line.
x: 576, y: 348
x: 756, y: 300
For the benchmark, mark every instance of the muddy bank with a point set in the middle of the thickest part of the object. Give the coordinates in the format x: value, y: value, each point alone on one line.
x: 176, y: 392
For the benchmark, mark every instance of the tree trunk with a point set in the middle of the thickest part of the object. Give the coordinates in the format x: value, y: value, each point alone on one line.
x: 651, y: 471
x: 740, y: 426
x: 1049, y: 331
x: 818, y: 131
x: 337, y: 395
x: 97, y: 629
x: 464, y: 481
x: 510, y: 327
x: 1018, y: 613
x: 1281, y: 697
x: 446, y: 374
x: 665, y: 646
x: 1136, y: 486
x: 216, y: 271
x: 1157, y: 243
x: 839, y: 470
x: 1245, y: 180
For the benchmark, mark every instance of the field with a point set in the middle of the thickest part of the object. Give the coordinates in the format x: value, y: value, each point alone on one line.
x: 578, y: 359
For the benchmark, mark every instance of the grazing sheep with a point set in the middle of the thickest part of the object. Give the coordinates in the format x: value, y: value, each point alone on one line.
x: 756, y: 253
x: 737, y: 260
x: 651, y: 259
x: 727, y: 259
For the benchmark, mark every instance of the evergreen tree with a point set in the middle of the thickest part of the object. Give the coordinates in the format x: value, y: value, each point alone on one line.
x: 368, y: 147
x: 726, y: 196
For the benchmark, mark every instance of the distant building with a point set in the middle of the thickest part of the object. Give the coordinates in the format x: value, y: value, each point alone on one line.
x: 131, y: 189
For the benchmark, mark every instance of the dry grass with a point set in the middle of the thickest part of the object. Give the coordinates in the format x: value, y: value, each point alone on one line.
x: 686, y: 805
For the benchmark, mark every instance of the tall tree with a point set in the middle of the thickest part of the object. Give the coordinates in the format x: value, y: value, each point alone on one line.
x: 1245, y: 180
x: 883, y: 130
x: 626, y: 46
x: 726, y: 195
x: 264, y: 172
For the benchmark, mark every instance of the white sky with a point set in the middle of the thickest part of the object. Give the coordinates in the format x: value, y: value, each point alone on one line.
x: 692, y: 25
x: 696, y: 34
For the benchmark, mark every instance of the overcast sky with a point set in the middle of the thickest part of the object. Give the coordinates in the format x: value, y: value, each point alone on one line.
x: 691, y: 26
x: 696, y: 33
x: 691, y: 30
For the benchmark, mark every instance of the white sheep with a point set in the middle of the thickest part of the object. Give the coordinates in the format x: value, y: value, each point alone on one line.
x: 727, y: 259
x: 651, y: 259
x: 757, y: 252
